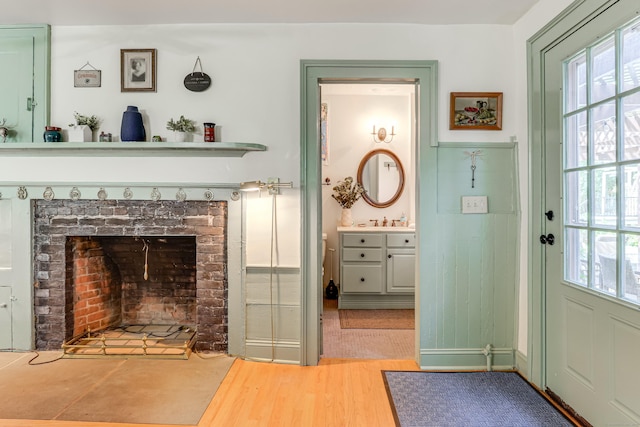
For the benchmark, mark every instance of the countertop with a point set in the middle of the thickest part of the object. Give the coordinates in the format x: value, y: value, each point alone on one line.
x: 379, y: 229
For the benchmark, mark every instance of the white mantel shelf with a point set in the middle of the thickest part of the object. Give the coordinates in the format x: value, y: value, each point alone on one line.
x: 129, y: 149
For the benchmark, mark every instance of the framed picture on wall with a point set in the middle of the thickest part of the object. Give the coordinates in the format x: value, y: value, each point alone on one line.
x: 137, y: 70
x: 475, y: 111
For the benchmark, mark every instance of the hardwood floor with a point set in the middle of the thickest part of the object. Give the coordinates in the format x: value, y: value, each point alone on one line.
x: 337, y: 392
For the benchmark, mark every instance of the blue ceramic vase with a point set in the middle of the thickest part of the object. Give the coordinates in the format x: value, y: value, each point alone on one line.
x: 132, y: 128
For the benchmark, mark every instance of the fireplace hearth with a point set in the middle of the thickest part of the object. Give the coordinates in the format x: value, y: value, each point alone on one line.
x: 104, y: 265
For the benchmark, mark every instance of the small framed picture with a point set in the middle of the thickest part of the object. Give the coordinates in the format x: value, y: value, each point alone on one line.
x: 475, y: 111
x: 137, y: 70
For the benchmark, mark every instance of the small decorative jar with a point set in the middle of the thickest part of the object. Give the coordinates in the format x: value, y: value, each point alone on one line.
x: 209, y: 132
x: 52, y: 134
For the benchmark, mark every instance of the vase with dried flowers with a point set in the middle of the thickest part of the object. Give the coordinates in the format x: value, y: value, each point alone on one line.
x: 346, y: 194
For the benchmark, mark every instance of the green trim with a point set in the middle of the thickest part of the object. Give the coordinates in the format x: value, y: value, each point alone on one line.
x: 41, y: 34
x: 129, y: 149
x: 312, y: 72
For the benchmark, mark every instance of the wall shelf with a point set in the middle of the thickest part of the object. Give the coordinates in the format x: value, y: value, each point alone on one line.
x: 130, y: 149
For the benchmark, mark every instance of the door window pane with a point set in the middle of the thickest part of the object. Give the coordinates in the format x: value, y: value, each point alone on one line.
x: 577, y: 197
x: 631, y: 57
x: 604, y: 133
x: 603, y: 70
x: 576, y: 136
x: 630, y: 288
x: 631, y: 126
x: 576, y: 75
x: 605, y: 189
x: 606, y: 259
x: 631, y: 196
x: 577, y: 269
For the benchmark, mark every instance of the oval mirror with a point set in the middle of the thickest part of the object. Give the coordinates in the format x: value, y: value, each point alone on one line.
x: 382, y: 176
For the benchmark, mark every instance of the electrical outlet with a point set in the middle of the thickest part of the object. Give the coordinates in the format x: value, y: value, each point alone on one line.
x: 474, y: 204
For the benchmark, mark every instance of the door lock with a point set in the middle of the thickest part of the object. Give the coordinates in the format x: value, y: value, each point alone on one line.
x: 549, y: 238
x: 549, y: 215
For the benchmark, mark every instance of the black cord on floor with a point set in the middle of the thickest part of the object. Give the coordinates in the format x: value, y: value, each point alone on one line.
x: 30, y: 362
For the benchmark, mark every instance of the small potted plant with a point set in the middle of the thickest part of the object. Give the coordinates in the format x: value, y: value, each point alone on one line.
x: 83, y: 128
x: 181, y: 127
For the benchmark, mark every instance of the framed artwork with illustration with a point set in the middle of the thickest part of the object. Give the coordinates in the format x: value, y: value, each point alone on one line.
x: 475, y: 111
x: 137, y: 70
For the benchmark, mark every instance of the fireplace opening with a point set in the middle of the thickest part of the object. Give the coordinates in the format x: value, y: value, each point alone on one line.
x: 133, y: 291
x: 154, y: 268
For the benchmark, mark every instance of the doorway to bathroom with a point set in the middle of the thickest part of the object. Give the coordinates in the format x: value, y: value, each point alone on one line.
x: 423, y: 76
x: 367, y: 141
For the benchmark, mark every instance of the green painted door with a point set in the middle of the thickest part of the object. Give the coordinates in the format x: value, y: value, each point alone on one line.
x: 592, y: 163
x: 16, y: 86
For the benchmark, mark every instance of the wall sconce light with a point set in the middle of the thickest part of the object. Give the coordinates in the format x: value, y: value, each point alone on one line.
x: 381, y: 135
x: 273, y: 185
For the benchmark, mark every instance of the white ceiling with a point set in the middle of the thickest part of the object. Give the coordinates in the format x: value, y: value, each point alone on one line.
x: 143, y: 12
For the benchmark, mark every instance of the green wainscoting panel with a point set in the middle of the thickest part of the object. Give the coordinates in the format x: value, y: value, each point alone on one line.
x: 468, y: 293
x: 495, y: 176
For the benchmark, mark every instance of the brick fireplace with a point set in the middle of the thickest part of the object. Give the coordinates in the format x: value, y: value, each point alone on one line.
x: 101, y: 263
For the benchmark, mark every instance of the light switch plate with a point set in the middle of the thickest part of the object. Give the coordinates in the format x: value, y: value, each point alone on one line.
x: 474, y: 204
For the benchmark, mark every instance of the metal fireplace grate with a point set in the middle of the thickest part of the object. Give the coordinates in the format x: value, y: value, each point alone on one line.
x: 152, y: 341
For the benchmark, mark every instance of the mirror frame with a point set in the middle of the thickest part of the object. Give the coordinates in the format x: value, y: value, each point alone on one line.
x: 396, y: 196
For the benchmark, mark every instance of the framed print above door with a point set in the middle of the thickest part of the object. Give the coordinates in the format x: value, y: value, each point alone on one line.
x: 137, y: 70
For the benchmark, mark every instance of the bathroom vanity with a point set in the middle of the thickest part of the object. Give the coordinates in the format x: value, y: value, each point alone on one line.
x: 377, y: 267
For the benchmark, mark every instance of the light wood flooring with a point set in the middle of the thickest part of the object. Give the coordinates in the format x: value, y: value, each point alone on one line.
x: 345, y: 389
x: 337, y: 392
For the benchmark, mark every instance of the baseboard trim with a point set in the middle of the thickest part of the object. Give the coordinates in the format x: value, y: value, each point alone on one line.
x: 467, y: 359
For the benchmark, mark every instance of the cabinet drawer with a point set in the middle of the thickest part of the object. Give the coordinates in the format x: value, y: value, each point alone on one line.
x: 363, y: 240
x: 362, y: 254
x: 361, y: 279
x: 401, y: 240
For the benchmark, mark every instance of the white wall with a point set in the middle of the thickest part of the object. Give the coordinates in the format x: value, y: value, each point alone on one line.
x: 255, y: 96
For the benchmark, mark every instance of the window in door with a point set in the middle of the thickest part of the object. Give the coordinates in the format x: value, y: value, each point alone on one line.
x: 601, y: 175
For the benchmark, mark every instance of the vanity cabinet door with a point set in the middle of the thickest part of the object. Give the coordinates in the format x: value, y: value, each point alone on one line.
x: 401, y: 272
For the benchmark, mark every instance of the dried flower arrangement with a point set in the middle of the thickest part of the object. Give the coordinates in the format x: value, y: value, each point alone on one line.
x: 347, y: 192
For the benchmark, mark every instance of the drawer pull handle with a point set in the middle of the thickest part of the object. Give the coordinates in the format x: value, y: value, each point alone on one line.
x: 406, y: 240
x: 361, y: 240
x: 362, y: 279
x: 389, y: 256
x: 361, y: 255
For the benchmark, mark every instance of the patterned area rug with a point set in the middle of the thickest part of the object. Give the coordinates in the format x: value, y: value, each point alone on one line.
x: 475, y: 399
x: 377, y: 319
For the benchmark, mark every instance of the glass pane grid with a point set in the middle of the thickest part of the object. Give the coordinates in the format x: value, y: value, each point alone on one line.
x: 602, y: 166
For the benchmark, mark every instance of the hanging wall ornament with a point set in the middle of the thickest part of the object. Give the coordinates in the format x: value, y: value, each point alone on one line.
x: 197, y: 81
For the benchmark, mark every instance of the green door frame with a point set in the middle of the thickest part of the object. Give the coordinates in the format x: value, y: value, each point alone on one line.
x: 312, y: 72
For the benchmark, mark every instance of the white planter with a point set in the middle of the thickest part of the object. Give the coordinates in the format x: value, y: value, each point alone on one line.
x: 80, y: 133
x: 180, y: 136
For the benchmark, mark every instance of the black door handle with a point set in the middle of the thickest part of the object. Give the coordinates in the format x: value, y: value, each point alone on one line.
x: 549, y: 238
